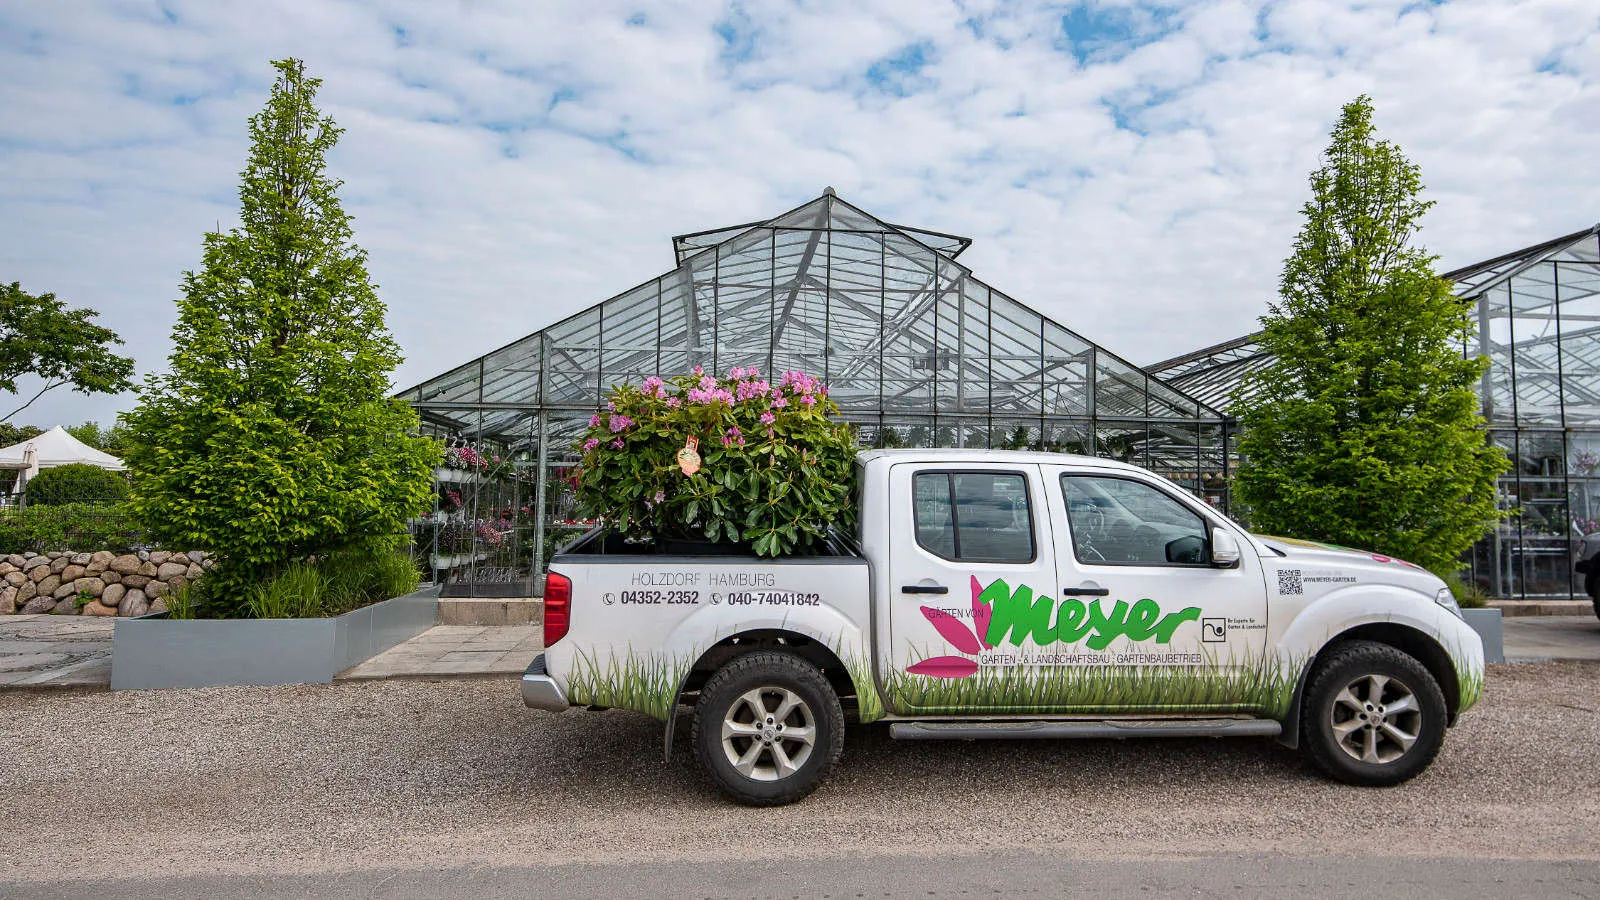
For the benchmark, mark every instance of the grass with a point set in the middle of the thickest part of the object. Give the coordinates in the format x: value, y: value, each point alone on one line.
x: 1263, y: 688
x: 644, y: 683
x: 297, y: 592
x: 869, y: 706
x: 1470, y: 682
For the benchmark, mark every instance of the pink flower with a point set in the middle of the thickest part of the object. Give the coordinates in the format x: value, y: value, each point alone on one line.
x: 590, y: 444
x: 594, y: 421
x: 767, y: 418
x: 619, y: 422
x: 736, y: 372
x: 699, y: 371
x: 616, y: 444
x: 661, y: 496
x: 610, y: 406
x: 674, y: 403
x: 808, y: 400
x: 780, y: 403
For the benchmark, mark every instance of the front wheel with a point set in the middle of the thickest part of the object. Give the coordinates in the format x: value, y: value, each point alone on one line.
x: 1373, y: 716
x: 767, y: 727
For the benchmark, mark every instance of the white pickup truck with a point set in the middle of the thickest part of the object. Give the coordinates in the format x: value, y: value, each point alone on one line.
x: 991, y: 594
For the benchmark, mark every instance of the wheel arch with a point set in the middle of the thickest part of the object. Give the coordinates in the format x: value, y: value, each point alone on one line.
x: 749, y: 641
x: 1413, y: 642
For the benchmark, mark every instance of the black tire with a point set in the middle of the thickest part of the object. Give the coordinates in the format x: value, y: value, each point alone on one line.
x: 1349, y: 665
x: 723, y: 699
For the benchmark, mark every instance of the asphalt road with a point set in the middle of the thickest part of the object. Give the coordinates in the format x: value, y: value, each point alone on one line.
x: 414, y: 788
x: 1004, y: 875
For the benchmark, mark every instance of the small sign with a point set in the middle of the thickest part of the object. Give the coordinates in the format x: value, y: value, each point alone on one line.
x: 689, y: 456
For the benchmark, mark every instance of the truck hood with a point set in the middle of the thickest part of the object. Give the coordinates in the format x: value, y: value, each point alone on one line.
x: 1368, y: 567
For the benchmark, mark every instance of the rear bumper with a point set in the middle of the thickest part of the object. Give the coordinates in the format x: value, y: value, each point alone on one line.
x: 539, y: 690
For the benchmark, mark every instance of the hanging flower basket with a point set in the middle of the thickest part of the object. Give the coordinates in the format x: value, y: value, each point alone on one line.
x: 737, y: 461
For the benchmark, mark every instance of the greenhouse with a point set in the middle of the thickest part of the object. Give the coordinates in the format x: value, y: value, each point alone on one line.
x: 915, y: 349
x: 1538, y: 322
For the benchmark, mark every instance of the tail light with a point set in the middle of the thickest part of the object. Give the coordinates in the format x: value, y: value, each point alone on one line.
x: 557, y: 607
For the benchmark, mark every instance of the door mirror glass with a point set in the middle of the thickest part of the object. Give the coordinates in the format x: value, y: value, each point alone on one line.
x: 1225, y: 551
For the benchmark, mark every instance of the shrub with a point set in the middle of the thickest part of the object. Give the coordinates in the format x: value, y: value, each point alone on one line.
x: 775, y: 472
x: 74, y: 483
x: 69, y: 526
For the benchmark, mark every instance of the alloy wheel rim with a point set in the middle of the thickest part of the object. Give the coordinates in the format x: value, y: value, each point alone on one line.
x: 768, y: 733
x: 1376, y: 719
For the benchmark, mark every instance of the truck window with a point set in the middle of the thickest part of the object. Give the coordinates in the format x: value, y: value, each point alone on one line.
x: 974, y: 516
x: 1121, y: 522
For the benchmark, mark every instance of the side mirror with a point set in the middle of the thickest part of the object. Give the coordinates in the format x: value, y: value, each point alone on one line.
x: 1189, y: 549
x: 1225, y: 551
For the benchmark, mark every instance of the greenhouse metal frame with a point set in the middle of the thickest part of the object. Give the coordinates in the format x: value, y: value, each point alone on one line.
x: 915, y: 349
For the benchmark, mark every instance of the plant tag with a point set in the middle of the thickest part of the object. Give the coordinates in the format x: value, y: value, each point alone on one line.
x: 689, y: 456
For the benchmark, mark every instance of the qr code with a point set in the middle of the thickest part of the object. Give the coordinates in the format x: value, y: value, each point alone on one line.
x: 1289, y: 582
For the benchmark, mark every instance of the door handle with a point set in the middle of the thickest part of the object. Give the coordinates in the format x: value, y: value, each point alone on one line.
x: 924, y: 589
x: 1085, y: 592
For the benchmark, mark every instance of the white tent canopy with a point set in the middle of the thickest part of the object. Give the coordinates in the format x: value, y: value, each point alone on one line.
x: 55, y: 448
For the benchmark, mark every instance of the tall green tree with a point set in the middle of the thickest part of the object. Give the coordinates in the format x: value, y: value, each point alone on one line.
x: 272, y: 438
x: 1364, y: 431
x: 41, y: 336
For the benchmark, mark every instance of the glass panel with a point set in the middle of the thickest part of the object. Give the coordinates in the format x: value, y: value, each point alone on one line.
x: 1123, y: 442
x: 974, y: 377
x: 1538, y: 385
x: 1494, y: 341
x: 511, y: 374
x: 904, y: 431
x: 456, y: 386
x: 572, y: 361
x: 1119, y: 389
x: 993, y: 520
x: 1016, y: 357
x: 1016, y: 434
x: 1173, y: 451
x: 1069, y: 437
x: 1115, y: 521
x: 936, y: 531
x: 628, y: 336
x: 1544, y: 551
x: 1066, y: 372
x: 1579, y: 286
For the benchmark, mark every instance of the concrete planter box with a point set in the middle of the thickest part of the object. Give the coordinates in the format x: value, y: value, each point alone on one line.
x: 1486, y: 622
x: 158, y: 652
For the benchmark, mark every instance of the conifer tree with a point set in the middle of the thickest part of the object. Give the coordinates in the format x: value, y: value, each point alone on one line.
x: 272, y: 436
x: 1364, y: 431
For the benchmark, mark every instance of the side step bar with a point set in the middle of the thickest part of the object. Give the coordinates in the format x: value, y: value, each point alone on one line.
x: 1104, y: 728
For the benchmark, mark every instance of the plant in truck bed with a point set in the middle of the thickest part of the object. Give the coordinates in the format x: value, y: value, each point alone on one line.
x: 735, y: 459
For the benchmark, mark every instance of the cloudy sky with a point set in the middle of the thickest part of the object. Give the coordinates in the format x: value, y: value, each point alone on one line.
x: 1134, y: 170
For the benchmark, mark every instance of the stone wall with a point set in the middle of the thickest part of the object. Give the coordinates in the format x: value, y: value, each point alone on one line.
x: 127, y: 584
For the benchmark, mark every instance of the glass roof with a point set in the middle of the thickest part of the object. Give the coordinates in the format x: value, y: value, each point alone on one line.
x: 1538, y: 323
x: 882, y: 313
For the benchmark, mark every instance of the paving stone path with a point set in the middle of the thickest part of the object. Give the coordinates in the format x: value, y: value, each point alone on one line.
x: 75, y: 651
x: 55, y: 651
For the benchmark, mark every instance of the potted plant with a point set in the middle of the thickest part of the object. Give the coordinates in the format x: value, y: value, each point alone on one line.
x: 733, y: 463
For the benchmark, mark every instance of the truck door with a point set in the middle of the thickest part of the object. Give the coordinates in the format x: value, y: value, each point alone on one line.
x: 955, y: 529
x: 1159, y: 628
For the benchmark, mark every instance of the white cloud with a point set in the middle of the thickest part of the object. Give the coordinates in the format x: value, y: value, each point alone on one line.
x: 511, y: 163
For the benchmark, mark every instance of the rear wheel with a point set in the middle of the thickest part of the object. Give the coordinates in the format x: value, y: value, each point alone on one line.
x: 1373, y: 716
x: 766, y: 728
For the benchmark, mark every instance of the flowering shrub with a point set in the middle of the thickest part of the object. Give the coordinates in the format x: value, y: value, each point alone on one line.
x: 775, y: 462
x: 465, y: 458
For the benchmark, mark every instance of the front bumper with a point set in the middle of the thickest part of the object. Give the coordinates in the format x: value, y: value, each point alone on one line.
x: 539, y: 690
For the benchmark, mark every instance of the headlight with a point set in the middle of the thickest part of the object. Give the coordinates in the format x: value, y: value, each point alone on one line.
x: 1447, y: 600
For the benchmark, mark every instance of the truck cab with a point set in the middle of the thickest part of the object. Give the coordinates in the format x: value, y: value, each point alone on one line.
x: 1013, y: 594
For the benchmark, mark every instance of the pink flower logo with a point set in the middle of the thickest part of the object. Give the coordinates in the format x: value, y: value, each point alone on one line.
x: 971, y: 641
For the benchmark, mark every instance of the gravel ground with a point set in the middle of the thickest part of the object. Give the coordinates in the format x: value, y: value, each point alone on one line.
x: 423, y: 775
